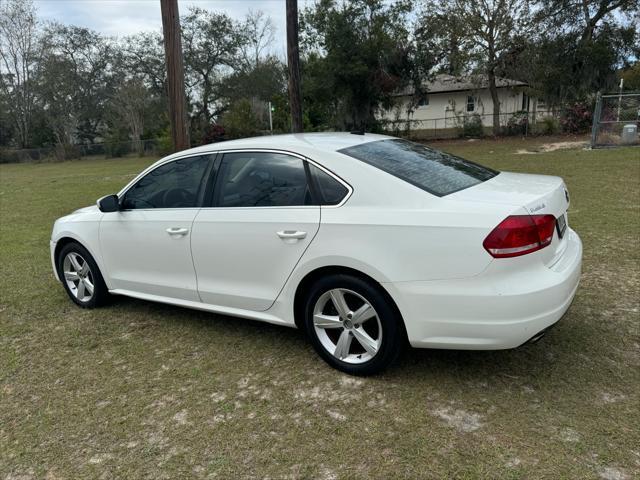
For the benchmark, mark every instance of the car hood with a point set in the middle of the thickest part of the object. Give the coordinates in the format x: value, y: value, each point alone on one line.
x: 89, y: 209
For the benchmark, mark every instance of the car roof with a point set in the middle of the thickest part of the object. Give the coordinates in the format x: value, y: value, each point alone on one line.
x: 297, y: 142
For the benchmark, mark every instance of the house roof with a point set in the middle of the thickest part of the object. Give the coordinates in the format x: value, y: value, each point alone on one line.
x: 442, y: 83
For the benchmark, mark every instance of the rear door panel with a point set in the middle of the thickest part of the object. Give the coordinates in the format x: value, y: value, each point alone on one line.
x: 240, y: 260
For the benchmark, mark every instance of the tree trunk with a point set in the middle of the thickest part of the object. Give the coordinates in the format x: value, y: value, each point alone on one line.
x: 493, y: 89
x: 175, y: 73
x: 293, y: 59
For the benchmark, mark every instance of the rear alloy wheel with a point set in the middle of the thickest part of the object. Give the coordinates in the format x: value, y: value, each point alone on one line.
x: 81, y: 277
x: 352, y: 326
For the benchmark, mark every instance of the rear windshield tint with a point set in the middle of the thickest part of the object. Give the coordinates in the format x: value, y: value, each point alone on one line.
x: 436, y: 172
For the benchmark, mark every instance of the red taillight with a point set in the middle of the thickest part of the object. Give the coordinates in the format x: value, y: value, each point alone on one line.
x: 520, y: 234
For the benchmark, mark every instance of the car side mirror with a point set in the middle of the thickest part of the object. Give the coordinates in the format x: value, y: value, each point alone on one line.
x: 110, y: 203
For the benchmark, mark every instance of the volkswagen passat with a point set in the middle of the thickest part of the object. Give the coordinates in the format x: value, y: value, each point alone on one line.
x: 362, y: 241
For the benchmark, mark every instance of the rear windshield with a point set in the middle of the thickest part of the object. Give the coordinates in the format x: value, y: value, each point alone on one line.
x: 436, y: 172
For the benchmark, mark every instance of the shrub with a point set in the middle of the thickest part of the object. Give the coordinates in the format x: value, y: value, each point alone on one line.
x: 549, y: 126
x: 213, y: 133
x: 165, y: 143
x: 577, y: 118
x: 472, y: 126
x: 240, y: 121
x: 518, y: 123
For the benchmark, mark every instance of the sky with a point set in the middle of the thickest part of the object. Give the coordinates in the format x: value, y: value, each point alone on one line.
x: 125, y: 17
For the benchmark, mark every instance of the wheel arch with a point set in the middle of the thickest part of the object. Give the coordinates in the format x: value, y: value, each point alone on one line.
x: 308, y: 280
x: 65, y: 240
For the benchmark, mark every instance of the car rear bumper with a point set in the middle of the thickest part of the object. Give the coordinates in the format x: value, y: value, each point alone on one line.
x: 503, y: 307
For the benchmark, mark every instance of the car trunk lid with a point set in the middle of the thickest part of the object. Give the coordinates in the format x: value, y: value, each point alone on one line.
x: 536, y: 194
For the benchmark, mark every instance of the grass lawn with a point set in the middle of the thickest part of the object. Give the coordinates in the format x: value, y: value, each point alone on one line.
x: 142, y: 390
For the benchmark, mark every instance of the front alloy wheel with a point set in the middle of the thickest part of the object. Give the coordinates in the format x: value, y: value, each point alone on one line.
x: 81, y: 276
x: 78, y: 276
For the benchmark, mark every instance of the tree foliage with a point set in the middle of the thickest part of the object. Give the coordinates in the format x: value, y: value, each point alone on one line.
x: 66, y: 85
x: 358, y: 54
x: 20, y: 55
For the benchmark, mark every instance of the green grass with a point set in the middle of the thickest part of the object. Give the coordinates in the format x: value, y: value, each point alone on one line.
x: 142, y: 390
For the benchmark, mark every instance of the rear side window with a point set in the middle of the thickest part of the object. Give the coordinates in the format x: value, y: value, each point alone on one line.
x: 436, y: 172
x: 261, y: 179
x: 330, y: 190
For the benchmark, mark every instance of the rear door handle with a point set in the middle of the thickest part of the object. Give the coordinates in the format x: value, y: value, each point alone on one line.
x: 177, y: 231
x: 291, y: 234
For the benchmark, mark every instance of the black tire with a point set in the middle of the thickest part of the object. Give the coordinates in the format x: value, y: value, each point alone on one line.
x: 100, y: 293
x: 354, y: 290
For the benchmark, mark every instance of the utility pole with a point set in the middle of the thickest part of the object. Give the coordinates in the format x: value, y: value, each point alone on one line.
x: 270, y: 118
x: 175, y: 74
x: 293, y: 59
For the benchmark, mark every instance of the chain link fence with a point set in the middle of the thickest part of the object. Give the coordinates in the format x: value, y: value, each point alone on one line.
x: 457, y: 124
x: 616, y: 120
x: 154, y: 147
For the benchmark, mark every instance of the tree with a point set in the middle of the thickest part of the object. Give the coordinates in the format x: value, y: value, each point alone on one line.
x: 258, y: 31
x: 240, y: 120
x: 129, y: 104
x: 20, y: 55
x: 576, y: 49
x: 358, y: 54
x: 490, y: 30
x: 631, y: 77
x: 583, y: 16
x: 142, y: 56
x: 440, y: 37
x: 75, y: 82
x: 212, y: 42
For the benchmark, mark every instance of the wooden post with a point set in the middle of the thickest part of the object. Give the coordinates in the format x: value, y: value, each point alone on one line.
x: 293, y: 59
x: 175, y: 74
x: 595, y: 127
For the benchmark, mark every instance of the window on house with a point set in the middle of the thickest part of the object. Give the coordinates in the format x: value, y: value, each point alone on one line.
x: 471, y: 103
x: 424, y: 101
x: 525, y: 102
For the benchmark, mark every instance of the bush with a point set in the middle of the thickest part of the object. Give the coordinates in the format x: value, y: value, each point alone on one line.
x: 213, y: 133
x: 518, y: 124
x: 577, y: 118
x: 472, y: 126
x: 165, y: 143
x: 240, y: 121
x: 549, y: 126
x: 116, y: 143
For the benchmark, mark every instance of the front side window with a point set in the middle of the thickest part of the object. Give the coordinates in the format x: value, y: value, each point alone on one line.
x: 262, y: 179
x: 175, y: 184
x: 436, y: 172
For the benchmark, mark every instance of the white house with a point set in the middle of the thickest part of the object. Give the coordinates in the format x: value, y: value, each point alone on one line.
x: 450, y: 100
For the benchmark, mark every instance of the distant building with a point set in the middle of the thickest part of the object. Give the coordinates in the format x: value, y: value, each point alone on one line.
x: 450, y: 101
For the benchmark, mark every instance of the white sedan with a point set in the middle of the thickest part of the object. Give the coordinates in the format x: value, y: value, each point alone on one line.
x: 364, y: 242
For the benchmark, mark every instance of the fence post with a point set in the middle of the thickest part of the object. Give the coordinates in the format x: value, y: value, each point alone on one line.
x: 596, y: 120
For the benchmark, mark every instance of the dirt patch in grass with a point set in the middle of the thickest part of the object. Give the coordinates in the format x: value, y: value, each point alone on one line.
x: 552, y: 147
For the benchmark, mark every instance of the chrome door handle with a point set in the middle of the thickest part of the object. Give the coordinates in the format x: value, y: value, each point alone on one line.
x: 291, y: 234
x: 177, y: 231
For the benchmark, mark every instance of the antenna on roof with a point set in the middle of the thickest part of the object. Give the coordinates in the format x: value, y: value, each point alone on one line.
x: 357, y: 132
